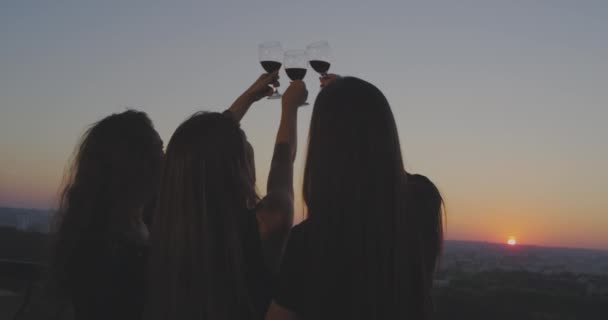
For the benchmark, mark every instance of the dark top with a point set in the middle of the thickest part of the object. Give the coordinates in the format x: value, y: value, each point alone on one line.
x: 114, y: 288
x: 298, y: 289
x: 108, y: 283
x: 258, y: 276
x: 307, y: 290
x: 311, y: 295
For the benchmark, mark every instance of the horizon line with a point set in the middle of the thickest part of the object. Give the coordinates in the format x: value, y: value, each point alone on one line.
x: 529, y: 245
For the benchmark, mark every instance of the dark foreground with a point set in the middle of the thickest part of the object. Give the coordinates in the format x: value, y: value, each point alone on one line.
x: 488, y: 295
x: 478, y: 281
x: 522, y: 295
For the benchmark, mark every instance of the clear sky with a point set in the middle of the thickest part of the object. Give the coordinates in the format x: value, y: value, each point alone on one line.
x: 504, y: 104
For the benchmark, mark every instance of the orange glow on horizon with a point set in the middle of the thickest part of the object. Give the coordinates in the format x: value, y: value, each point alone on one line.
x: 512, y: 241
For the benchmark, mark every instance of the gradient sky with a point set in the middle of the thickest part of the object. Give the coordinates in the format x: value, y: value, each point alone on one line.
x: 504, y: 104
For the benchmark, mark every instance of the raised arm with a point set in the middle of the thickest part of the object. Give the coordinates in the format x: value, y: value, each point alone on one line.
x: 275, y: 214
x: 258, y: 90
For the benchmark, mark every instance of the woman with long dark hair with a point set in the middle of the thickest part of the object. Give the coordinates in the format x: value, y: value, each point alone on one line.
x: 99, y: 251
x: 214, y: 243
x: 360, y: 254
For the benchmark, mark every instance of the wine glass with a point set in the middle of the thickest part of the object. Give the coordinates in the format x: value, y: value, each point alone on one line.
x: 271, y: 55
x: 319, y: 54
x: 295, y: 65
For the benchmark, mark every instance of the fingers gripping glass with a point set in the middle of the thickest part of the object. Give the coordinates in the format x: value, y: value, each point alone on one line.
x: 295, y: 65
x: 271, y: 55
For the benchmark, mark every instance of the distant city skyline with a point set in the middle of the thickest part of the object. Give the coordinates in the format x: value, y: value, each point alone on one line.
x: 502, y: 104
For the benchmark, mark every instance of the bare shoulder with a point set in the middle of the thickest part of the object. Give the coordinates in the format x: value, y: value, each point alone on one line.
x: 275, y: 213
x: 278, y: 312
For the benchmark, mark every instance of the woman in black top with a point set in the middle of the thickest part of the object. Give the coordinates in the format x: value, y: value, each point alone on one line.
x: 360, y: 254
x: 214, y: 244
x: 99, y: 254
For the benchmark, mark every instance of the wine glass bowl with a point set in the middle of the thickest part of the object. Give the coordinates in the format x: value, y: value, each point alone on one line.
x: 270, y: 55
x: 296, y: 63
x: 319, y: 55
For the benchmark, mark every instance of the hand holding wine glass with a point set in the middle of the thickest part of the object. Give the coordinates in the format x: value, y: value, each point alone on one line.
x: 295, y: 95
x: 263, y: 86
x: 271, y: 55
x: 259, y: 89
x: 329, y: 78
x: 295, y: 65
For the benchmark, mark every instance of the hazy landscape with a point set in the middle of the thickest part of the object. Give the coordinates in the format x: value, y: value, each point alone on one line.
x: 482, y: 280
x: 476, y: 280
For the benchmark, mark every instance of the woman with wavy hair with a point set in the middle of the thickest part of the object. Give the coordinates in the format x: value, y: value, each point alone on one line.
x: 99, y: 251
x: 214, y: 242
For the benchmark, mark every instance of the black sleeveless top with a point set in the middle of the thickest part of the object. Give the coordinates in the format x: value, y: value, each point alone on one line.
x: 259, y: 278
x: 114, y: 284
x: 312, y: 295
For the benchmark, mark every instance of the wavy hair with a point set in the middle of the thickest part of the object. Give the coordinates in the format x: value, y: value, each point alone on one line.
x: 196, y: 253
x: 113, y: 175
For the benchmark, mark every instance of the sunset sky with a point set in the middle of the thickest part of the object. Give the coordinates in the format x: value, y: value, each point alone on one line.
x: 504, y: 104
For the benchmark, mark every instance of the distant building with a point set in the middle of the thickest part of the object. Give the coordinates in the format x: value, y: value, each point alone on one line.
x: 26, y: 219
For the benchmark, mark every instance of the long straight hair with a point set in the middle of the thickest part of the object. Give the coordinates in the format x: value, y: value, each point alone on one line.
x: 196, y: 255
x: 357, y: 198
x: 430, y: 209
x: 114, y: 174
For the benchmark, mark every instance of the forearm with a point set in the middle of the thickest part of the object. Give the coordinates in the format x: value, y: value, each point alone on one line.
x: 288, y: 129
x: 240, y: 106
x: 280, y: 178
x: 278, y: 203
x: 275, y: 215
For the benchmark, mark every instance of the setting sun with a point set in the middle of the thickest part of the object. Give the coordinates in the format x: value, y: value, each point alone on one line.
x: 512, y: 241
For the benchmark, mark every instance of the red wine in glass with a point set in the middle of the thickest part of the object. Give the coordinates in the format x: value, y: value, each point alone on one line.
x: 270, y: 66
x: 319, y: 54
x: 295, y: 62
x: 320, y: 66
x: 295, y: 73
x: 271, y: 55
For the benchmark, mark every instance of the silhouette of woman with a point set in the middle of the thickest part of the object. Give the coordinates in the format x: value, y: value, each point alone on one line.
x: 100, y: 242
x: 361, y: 252
x: 214, y: 244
